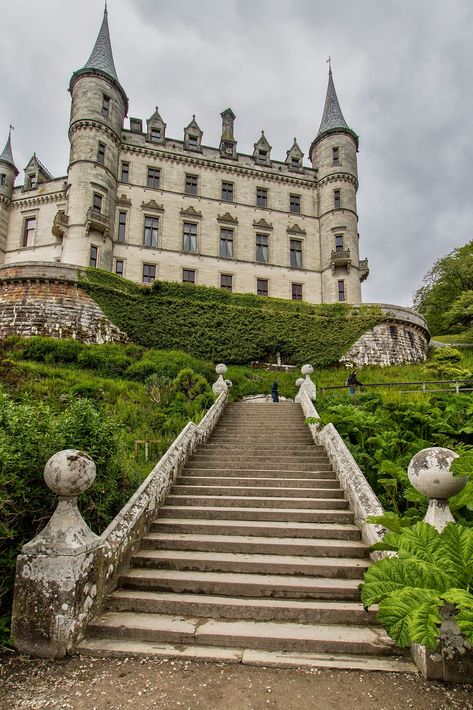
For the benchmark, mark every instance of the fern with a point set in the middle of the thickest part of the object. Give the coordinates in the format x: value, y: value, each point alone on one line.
x: 429, y: 570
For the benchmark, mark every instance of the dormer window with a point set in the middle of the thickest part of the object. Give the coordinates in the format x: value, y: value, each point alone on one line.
x: 155, y: 135
x: 193, y: 136
x: 193, y: 141
x: 105, y: 105
x: 31, y: 181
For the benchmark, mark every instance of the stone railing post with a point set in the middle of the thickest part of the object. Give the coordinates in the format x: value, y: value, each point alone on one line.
x: 429, y: 473
x: 55, y: 574
x: 306, y: 385
x: 221, y: 385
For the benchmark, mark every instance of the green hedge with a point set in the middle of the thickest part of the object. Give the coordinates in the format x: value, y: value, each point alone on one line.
x: 216, y: 325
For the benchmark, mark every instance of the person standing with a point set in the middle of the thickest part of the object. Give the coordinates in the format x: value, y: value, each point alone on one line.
x: 275, y: 391
x: 352, y: 382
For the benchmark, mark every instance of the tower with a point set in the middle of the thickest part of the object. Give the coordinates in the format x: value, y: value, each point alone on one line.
x: 333, y: 156
x: 8, y: 173
x: 99, y: 107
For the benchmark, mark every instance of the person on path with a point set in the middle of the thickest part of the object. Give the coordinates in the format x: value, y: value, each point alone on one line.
x: 353, y: 382
x: 275, y: 391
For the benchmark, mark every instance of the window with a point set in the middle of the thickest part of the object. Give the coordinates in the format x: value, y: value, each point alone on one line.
x: 393, y: 331
x: 97, y: 202
x: 296, y: 253
x: 336, y: 156
x: 336, y: 199
x: 94, y: 256
x: 341, y: 290
x: 227, y: 191
x: 262, y: 248
x: 192, y: 141
x: 188, y: 276
x: 151, y: 232
x: 149, y: 273
x: 101, y: 153
x: 262, y: 287
x: 125, y: 174
x: 189, y: 241
x: 119, y: 267
x: 121, y: 226
x: 3, y: 179
x: 295, y: 162
x: 226, y: 243
x: 295, y: 204
x: 154, y: 176
x: 226, y: 281
x: 261, y: 197
x: 338, y: 243
x: 296, y: 292
x: 31, y: 181
x: 105, y: 105
x: 191, y: 184
x: 155, y: 135
x: 29, y: 230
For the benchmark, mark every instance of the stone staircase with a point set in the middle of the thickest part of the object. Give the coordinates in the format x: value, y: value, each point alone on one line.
x: 254, y: 558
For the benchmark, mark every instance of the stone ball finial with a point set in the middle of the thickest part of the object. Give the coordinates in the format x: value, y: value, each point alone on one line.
x: 307, y: 369
x: 221, y: 369
x: 429, y: 473
x: 299, y: 381
x: 69, y: 472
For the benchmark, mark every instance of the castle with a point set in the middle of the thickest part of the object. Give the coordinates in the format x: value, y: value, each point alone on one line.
x: 147, y: 206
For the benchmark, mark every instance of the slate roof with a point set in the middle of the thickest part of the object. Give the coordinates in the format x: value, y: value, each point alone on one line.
x: 102, y: 57
x: 332, y: 117
x: 7, y: 155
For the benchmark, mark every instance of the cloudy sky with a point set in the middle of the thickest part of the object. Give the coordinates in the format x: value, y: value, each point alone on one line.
x: 403, y: 71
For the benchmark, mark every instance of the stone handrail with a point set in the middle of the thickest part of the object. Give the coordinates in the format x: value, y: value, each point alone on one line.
x: 64, y: 575
x: 310, y: 411
x: 363, y: 501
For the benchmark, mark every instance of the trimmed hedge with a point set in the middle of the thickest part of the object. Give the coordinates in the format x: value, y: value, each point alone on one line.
x: 216, y: 325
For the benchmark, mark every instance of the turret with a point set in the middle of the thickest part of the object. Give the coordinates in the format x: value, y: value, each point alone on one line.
x: 333, y: 156
x: 99, y: 107
x: 8, y: 173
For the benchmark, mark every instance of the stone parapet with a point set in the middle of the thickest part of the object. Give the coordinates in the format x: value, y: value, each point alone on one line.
x: 42, y: 298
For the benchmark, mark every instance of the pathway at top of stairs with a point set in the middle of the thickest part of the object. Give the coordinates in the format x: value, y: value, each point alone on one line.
x: 254, y: 558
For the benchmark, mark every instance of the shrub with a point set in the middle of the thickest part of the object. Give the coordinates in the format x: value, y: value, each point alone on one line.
x: 190, y: 383
x: 107, y: 359
x: 51, y: 350
x: 168, y: 363
x: 447, y: 355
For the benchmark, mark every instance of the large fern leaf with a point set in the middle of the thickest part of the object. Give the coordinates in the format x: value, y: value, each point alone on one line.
x: 425, y: 620
x: 457, y: 554
x: 463, y: 600
x: 411, y: 612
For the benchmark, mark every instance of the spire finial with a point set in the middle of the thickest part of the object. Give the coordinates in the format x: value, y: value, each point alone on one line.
x: 105, y: 10
x: 12, y: 128
x: 329, y: 62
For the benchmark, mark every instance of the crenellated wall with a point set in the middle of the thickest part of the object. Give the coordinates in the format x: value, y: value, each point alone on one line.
x: 44, y: 299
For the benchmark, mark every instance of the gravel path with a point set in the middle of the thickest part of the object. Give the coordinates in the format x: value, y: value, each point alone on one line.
x: 81, y: 683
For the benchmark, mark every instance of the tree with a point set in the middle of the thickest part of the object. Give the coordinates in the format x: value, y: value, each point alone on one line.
x: 445, y: 283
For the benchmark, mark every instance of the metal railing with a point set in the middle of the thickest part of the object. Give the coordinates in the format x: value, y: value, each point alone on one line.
x: 456, y: 386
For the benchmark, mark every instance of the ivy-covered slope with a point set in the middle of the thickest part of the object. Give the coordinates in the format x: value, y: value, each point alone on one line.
x: 216, y: 325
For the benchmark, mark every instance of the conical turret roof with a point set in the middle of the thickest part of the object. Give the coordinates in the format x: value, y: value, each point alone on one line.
x: 7, y: 155
x: 102, y: 56
x: 101, y: 59
x: 332, y: 117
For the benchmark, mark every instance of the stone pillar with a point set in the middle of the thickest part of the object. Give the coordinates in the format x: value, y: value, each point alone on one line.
x: 306, y: 385
x: 429, y: 473
x: 56, y: 573
x: 221, y: 385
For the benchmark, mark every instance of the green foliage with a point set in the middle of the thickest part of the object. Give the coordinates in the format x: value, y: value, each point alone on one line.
x: 216, y: 325
x: 429, y: 570
x: 168, y: 363
x: 190, y: 383
x: 52, y: 350
x: 445, y: 298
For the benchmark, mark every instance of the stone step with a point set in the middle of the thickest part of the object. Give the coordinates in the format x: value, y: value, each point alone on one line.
x: 259, y: 473
x: 270, y: 448
x: 253, y: 544
x: 266, y: 635
x: 257, y: 501
x: 218, y: 654
x: 238, y: 563
x: 228, y: 464
x: 248, y: 442
x: 208, y: 606
x: 269, y: 460
x: 257, y: 491
x: 194, y: 480
x: 318, y: 531
x: 210, y: 512
x: 241, y: 585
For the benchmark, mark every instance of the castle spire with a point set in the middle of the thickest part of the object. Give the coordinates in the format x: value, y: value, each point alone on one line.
x: 332, y: 116
x: 7, y: 155
x: 102, y: 56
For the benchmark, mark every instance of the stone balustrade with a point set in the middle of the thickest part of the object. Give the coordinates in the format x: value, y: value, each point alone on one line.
x: 64, y: 575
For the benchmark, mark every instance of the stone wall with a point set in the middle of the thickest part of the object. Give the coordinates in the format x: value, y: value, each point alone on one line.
x: 403, y: 337
x: 44, y: 299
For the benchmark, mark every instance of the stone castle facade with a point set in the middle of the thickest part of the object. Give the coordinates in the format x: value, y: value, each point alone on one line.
x: 147, y: 206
